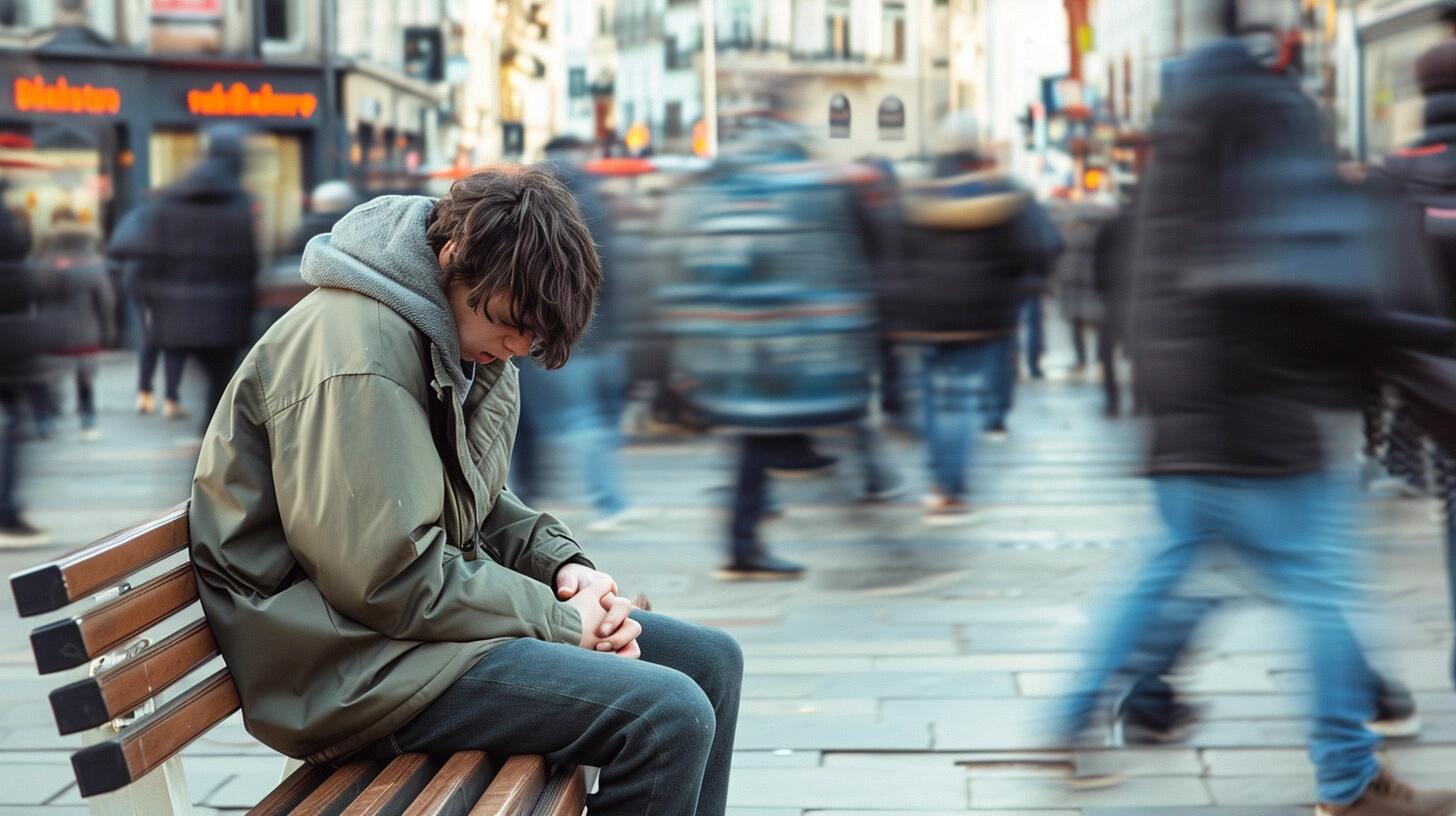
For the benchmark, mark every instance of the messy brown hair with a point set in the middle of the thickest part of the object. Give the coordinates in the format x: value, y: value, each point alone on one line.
x: 518, y: 232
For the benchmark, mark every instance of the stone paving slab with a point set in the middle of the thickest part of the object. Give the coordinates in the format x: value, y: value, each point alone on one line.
x: 32, y: 783
x: 755, y: 733
x: 850, y: 788
x: 1054, y: 794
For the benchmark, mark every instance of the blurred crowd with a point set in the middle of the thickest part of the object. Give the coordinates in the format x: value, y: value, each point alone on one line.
x: 1243, y: 286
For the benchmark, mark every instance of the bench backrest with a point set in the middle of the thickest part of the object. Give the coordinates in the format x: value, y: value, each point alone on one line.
x: 117, y: 622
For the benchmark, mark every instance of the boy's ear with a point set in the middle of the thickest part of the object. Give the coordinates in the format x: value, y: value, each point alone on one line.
x: 447, y: 252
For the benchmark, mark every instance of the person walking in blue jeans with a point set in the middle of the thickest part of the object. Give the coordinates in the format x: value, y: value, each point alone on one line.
x: 579, y: 408
x: 1233, y: 379
x: 973, y: 241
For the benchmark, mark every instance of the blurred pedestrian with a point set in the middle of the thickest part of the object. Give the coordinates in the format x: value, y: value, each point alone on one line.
x: 76, y: 293
x: 972, y: 240
x: 193, y: 257
x: 24, y: 336
x: 1256, y: 305
x: 1080, y: 223
x: 1112, y: 259
x: 577, y: 409
x: 773, y: 327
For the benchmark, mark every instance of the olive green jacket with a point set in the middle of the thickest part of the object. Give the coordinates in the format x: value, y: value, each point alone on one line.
x: 355, y: 549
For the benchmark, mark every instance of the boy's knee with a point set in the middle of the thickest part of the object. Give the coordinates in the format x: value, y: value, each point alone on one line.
x: 684, y: 715
x: 725, y: 656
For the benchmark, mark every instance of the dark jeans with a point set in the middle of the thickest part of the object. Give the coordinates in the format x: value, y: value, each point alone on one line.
x: 11, y: 399
x: 660, y: 728
x: 757, y: 454
x: 1032, y: 315
x: 171, y: 373
x: 218, y: 366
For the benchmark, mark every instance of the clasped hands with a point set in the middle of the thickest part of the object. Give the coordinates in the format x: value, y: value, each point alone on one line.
x: 606, y: 623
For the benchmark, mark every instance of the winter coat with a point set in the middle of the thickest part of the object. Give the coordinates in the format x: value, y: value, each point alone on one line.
x: 24, y: 333
x: 355, y: 548
x: 74, y: 289
x: 1234, y: 387
x: 193, y: 261
x: 1074, y: 277
x: 972, y: 244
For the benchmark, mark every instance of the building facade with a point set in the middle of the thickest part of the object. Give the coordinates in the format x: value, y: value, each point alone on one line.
x: 102, y: 101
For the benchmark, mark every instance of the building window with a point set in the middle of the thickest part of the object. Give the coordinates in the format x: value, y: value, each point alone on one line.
x: 839, y: 116
x: 669, y: 53
x: 576, y: 82
x: 277, y: 21
x: 672, y: 125
x: 893, y: 27
x: 837, y: 28
x: 282, y: 27
x: 892, y: 119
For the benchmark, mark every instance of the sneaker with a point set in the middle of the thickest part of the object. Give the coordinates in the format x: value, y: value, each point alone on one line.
x: 1395, y: 712
x: 1388, y: 796
x: 20, y: 534
x: 174, y: 410
x: 620, y: 520
x: 944, y: 511
x: 761, y: 568
x: 91, y: 435
x: 995, y: 433
x: 146, y: 403
x: 1130, y: 729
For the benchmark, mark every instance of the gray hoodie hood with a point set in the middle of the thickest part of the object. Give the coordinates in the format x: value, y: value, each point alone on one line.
x: 378, y: 249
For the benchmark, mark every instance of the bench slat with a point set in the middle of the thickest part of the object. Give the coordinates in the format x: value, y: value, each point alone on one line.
x: 68, y: 643
x: 515, y: 788
x: 142, y: 747
x: 335, y: 794
x: 396, y: 786
x: 565, y: 794
x: 292, y: 791
x: 456, y: 787
x: 94, y: 701
x: 98, y: 566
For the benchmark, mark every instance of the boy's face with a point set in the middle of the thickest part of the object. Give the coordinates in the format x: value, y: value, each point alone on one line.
x: 485, y: 335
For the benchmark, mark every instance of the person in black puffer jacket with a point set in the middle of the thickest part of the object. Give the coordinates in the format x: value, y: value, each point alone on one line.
x: 191, y: 255
x: 1243, y: 312
x: 24, y: 337
x: 972, y: 239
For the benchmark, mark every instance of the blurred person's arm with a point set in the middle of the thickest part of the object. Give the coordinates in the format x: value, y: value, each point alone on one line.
x: 104, y: 297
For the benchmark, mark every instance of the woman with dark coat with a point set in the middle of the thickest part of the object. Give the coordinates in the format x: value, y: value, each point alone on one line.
x: 193, y: 261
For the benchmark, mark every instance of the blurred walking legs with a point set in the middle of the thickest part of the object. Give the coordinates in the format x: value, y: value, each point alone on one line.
x: 578, y: 407
x: 959, y: 382
x: 758, y: 453
x: 1293, y: 530
x: 1032, y: 315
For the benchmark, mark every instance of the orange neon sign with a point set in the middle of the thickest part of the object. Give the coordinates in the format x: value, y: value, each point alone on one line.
x: 239, y: 100
x: 33, y: 95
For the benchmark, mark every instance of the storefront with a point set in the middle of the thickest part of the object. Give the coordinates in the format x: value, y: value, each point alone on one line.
x: 1393, y: 34
x: 92, y: 132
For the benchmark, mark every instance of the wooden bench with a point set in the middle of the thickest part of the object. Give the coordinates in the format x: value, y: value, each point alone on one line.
x: 131, y: 752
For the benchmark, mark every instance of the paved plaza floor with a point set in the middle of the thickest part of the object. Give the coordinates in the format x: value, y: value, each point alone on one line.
x: 914, y: 668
